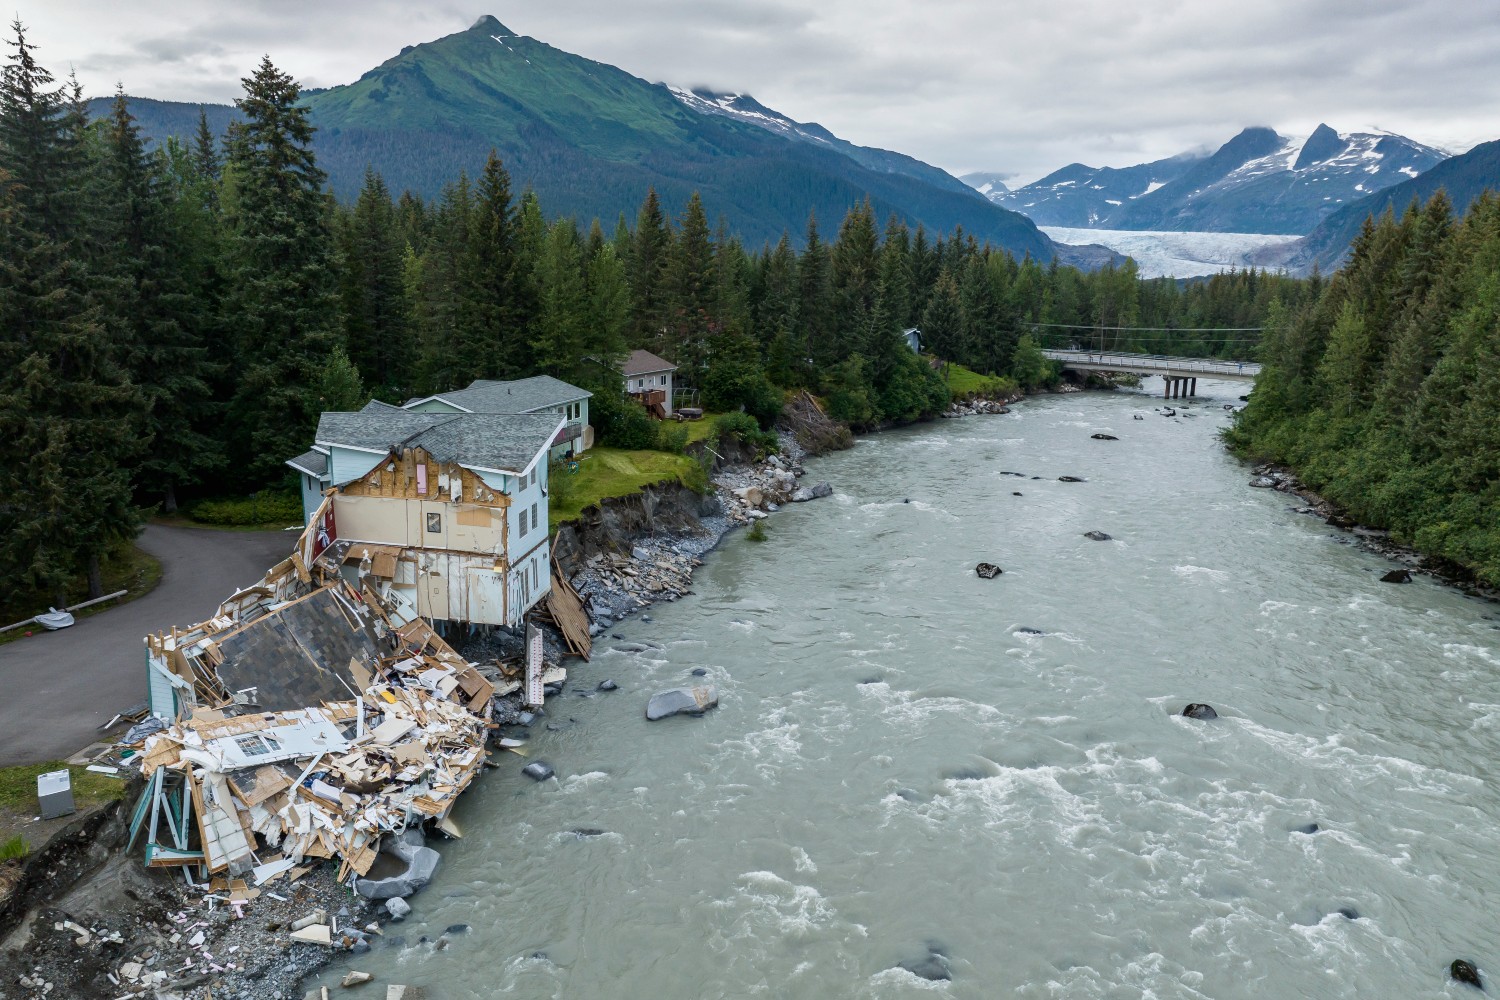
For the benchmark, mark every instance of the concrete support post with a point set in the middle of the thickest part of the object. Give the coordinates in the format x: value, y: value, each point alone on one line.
x: 1193, y: 387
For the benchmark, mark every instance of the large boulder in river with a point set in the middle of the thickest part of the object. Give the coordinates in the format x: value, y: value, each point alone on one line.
x: 801, y: 495
x: 1464, y: 972
x: 1104, y: 437
x: 1097, y: 536
x: 988, y: 571
x: 682, y: 701
x: 1198, y: 711
x: 933, y: 968
x: 822, y: 490
x: 404, y: 866
x: 1397, y: 576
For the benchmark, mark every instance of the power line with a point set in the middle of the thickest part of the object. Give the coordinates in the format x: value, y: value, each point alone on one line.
x: 1156, y: 329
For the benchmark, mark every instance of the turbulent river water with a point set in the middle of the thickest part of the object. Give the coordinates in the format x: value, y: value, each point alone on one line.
x: 899, y: 763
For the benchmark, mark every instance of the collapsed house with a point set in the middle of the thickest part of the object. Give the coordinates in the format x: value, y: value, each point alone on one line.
x: 311, y: 717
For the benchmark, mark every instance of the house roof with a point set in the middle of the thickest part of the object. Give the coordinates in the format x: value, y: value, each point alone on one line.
x: 374, y: 431
x: 646, y: 363
x: 508, y: 442
x: 314, y: 463
x: 524, y: 395
x: 376, y: 406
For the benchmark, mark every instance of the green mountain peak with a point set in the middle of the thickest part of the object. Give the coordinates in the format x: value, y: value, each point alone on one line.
x: 490, y: 25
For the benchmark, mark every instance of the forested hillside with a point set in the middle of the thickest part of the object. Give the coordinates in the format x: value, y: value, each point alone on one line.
x: 173, y: 320
x: 1384, y: 392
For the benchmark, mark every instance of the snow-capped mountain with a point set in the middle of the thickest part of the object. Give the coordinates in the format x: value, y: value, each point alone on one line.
x: 746, y: 109
x: 1081, y: 196
x: 988, y: 184
x: 1258, y: 182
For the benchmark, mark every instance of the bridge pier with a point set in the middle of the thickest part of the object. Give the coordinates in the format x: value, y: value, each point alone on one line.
x: 1176, y: 387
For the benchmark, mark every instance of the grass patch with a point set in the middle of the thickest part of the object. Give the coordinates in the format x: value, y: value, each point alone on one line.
x: 266, y: 509
x: 18, y: 786
x: 610, y: 472
x: 702, y: 430
x: 964, y: 383
x: 123, y: 568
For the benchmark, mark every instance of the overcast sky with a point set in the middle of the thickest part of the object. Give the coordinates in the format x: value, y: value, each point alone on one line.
x: 1020, y: 88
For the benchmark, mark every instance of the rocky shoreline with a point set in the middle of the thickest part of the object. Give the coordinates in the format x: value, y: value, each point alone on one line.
x: 1376, y: 540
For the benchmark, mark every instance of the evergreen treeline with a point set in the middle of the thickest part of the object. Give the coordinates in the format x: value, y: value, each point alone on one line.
x: 1383, y: 391
x: 173, y: 320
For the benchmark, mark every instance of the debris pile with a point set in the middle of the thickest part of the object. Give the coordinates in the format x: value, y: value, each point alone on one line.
x: 310, y: 718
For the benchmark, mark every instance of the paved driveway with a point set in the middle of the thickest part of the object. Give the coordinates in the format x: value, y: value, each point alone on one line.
x: 58, y: 688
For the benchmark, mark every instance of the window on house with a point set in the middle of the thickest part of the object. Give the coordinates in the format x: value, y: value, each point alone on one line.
x: 533, y: 515
x: 663, y: 380
x: 523, y: 525
x: 435, y: 523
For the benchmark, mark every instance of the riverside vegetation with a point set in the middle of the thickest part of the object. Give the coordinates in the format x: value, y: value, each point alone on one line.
x: 1383, y: 391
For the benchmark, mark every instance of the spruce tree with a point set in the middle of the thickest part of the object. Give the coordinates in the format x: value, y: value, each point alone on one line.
x: 377, y: 320
x: 645, y: 268
x: 689, y: 294
x: 70, y: 417
x: 281, y: 307
x: 155, y: 310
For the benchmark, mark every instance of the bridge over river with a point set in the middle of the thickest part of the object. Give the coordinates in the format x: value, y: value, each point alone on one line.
x: 1180, y: 375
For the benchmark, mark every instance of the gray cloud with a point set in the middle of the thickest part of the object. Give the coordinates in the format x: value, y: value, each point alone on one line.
x: 1004, y: 85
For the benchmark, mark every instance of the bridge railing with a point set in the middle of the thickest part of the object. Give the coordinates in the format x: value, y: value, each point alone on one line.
x: 1154, y: 362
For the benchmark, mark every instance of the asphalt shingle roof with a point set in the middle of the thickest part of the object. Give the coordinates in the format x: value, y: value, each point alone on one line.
x: 505, y: 441
x: 314, y: 463
x: 644, y: 363
x: 521, y: 396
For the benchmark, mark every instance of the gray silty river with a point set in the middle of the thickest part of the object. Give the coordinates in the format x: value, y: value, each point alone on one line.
x: 897, y: 764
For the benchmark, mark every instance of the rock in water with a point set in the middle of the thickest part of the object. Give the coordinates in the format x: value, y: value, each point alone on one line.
x: 538, y: 770
x: 1097, y: 536
x: 1397, y: 576
x: 988, y: 571
x: 822, y: 490
x: 1197, y: 711
x: 681, y: 701
x: 1071, y: 479
x: 607, y: 685
x: 1464, y: 972
x: 398, y: 908
x: 1263, y: 483
x: 1104, y: 437
x: 1139, y: 417
x: 934, y: 968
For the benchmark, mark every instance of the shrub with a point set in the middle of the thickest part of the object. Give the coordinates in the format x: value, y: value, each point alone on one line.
x: 672, y: 437
x: 621, y: 422
x: 744, y: 428
x: 265, y: 507
x: 757, y: 532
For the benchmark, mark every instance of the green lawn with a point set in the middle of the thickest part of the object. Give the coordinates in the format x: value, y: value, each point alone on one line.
x: 18, y: 803
x: 965, y: 384
x: 610, y: 472
x: 701, y: 430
